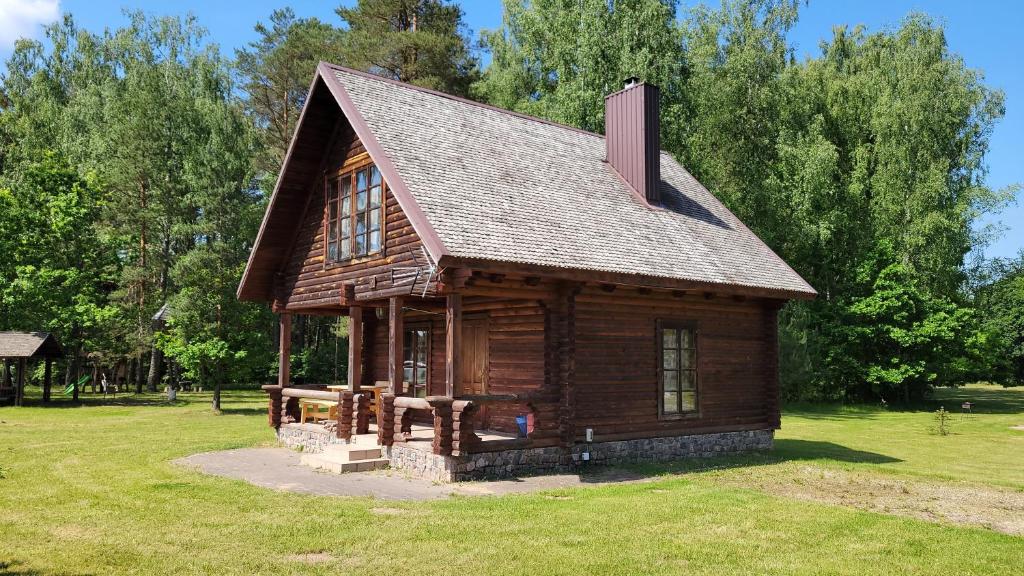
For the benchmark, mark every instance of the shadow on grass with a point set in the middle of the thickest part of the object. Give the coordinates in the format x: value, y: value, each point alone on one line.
x: 250, y: 411
x: 15, y: 568
x: 785, y: 451
x: 985, y: 401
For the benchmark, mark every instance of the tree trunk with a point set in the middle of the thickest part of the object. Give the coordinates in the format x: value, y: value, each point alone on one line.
x: 137, y: 375
x: 156, y: 361
x: 74, y: 370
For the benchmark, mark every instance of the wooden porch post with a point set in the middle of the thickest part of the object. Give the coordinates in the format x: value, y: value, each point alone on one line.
x: 47, y: 379
x: 355, y: 347
x: 285, y: 357
x: 396, y: 346
x: 453, y: 344
x: 19, y: 392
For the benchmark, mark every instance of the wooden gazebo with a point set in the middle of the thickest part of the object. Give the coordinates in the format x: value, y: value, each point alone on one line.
x: 16, y: 349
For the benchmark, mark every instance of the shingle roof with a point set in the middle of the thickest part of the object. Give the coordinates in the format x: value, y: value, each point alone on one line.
x: 500, y: 186
x: 28, y: 344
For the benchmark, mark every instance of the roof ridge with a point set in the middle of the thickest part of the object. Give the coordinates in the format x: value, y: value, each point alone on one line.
x: 433, y: 92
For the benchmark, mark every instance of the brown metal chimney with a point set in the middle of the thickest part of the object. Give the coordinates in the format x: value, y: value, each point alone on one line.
x: 633, y: 138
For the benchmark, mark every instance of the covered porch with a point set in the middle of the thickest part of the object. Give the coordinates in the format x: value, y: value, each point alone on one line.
x: 435, y: 399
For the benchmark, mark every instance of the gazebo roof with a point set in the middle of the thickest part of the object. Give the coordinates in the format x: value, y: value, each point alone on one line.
x: 29, y: 345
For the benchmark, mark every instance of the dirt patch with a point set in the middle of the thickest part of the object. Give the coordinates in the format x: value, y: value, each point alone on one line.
x: 1000, y: 509
x: 310, y: 557
x: 384, y: 511
x: 1018, y: 427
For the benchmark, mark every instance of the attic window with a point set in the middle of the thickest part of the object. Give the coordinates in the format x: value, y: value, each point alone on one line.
x: 355, y: 213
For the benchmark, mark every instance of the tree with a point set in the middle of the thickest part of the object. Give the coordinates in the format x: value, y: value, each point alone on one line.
x: 558, y: 60
x: 423, y: 42
x: 274, y: 73
x: 57, y: 267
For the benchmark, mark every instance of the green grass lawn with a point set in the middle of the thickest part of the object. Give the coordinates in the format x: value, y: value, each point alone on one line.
x: 90, y: 490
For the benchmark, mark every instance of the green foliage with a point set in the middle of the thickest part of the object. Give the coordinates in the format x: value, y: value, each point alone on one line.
x: 57, y: 266
x: 275, y: 72
x: 1000, y: 336
x: 423, y: 42
x: 559, y: 59
x: 943, y: 422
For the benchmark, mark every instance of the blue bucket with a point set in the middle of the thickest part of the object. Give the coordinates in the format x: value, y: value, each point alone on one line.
x: 521, y: 423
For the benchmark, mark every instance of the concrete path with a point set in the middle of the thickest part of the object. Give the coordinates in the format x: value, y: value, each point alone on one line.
x: 279, y: 469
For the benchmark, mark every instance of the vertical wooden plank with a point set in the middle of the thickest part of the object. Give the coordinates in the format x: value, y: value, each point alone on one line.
x: 355, y: 347
x: 19, y: 393
x: 453, y: 344
x: 396, y: 345
x: 47, y: 379
x: 285, y: 356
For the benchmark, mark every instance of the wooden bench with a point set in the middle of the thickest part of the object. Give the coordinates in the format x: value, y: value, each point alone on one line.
x: 311, y: 409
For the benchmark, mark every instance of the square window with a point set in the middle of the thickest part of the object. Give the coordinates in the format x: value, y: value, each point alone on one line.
x: 670, y: 338
x: 670, y: 380
x: 670, y: 403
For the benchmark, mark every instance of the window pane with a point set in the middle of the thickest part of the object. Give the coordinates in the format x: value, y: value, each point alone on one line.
x: 375, y: 220
x: 689, y: 379
x: 346, y: 228
x: 670, y: 380
x: 346, y: 249
x: 421, y: 374
x: 375, y: 196
x: 375, y: 241
x: 360, y: 225
x: 688, y: 339
x: 670, y: 402
x: 670, y: 338
x: 332, y: 231
x: 670, y: 359
x: 690, y: 359
x: 361, y: 180
x: 689, y: 401
x: 421, y: 392
x: 332, y: 211
x: 346, y: 205
x: 360, y: 244
x: 374, y: 176
x: 332, y: 251
x: 360, y: 201
x: 407, y: 373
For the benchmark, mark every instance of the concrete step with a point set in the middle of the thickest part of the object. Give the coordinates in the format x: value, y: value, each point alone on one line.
x: 350, y: 452
x: 332, y: 463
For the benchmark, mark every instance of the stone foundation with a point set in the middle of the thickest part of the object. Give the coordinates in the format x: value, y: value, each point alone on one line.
x: 306, y: 437
x: 532, y: 461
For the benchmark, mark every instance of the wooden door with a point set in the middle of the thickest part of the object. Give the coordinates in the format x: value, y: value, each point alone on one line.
x: 474, y: 357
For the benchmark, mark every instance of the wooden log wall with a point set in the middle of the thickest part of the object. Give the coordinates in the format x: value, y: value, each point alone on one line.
x: 616, y: 364
x: 306, y: 282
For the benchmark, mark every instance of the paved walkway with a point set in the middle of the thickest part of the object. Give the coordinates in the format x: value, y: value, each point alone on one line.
x: 279, y: 469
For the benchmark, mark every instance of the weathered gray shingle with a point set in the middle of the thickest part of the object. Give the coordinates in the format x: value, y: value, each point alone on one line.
x: 498, y: 186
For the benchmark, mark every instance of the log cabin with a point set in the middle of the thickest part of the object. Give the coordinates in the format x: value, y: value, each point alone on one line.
x: 522, y: 296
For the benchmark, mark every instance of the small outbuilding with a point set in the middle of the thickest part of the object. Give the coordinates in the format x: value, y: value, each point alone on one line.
x: 16, y: 349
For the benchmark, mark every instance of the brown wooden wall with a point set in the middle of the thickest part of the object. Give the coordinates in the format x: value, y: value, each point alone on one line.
x: 616, y: 368
x: 306, y: 282
x: 614, y: 386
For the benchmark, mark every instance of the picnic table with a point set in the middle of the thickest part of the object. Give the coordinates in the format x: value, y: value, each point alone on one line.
x: 373, y: 392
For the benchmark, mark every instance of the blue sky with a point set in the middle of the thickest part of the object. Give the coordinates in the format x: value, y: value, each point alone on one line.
x: 986, y: 33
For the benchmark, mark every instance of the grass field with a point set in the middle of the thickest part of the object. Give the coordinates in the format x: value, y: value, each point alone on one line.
x: 90, y: 490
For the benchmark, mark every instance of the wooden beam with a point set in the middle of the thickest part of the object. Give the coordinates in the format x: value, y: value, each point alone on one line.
x: 396, y: 345
x: 453, y: 344
x: 285, y: 355
x: 355, y: 347
x: 19, y: 393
